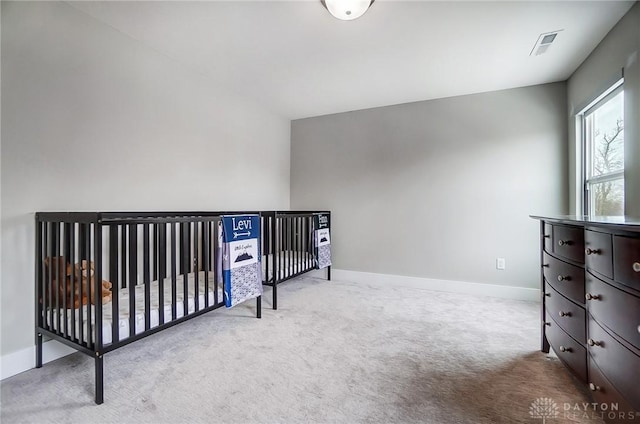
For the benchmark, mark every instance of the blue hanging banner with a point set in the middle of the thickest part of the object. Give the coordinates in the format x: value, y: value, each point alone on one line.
x: 241, y: 258
x: 322, y: 236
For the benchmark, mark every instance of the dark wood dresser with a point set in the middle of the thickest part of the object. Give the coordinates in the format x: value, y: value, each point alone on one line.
x: 590, y: 284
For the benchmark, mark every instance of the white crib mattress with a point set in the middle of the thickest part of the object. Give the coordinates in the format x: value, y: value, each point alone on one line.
x: 154, y: 317
x: 290, y: 262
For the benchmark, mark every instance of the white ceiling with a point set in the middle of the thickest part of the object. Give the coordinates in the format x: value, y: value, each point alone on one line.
x: 298, y: 61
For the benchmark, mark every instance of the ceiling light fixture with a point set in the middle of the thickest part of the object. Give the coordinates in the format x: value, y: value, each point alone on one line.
x: 347, y: 10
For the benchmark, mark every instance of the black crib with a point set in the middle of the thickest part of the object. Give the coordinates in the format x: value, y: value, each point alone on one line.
x: 161, y: 266
x: 289, y: 246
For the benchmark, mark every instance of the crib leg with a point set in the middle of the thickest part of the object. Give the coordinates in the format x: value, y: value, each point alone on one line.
x: 329, y: 273
x: 259, y: 307
x: 38, y: 350
x: 274, y: 294
x: 99, y: 380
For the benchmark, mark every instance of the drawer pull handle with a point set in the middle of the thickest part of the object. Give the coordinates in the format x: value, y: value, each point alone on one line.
x: 547, y: 236
x: 545, y: 265
x: 549, y: 295
x: 593, y: 387
x: 565, y: 242
x: 636, y: 266
x: 592, y: 251
x: 564, y: 314
x: 590, y: 296
x: 592, y: 342
x: 565, y: 349
x: 564, y: 278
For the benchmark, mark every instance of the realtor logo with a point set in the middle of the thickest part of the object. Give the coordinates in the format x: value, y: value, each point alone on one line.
x: 543, y: 408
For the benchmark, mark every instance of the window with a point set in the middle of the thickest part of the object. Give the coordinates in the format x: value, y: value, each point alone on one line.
x: 603, y: 154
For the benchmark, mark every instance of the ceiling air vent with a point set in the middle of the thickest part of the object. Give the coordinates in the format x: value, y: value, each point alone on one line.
x: 543, y: 43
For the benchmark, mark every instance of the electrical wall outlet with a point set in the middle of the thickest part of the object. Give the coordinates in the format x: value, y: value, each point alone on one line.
x: 501, y: 263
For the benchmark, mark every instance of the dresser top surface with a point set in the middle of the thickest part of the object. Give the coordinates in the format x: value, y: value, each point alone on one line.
x: 620, y: 222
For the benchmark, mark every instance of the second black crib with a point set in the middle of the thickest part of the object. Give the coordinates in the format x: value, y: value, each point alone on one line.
x: 289, y: 246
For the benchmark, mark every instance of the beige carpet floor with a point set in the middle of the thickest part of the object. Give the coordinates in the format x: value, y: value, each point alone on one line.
x: 335, y: 352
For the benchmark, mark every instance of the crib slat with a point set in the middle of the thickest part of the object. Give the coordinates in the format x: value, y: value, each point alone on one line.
x: 97, y: 239
x: 115, y: 281
x: 68, y: 255
x: 187, y: 249
x: 173, y: 270
x: 196, y: 288
x: 310, y: 242
x: 300, y: 260
x: 162, y: 269
x: 75, y: 284
x: 38, y: 307
x: 265, y: 248
x: 207, y: 260
x: 215, y: 231
x: 146, y: 276
x: 72, y: 284
x: 298, y: 243
x: 46, y: 283
x: 87, y: 246
x: 305, y: 241
x: 133, y: 276
x: 276, y: 250
x: 123, y: 256
x: 285, y: 227
x: 281, y: 250
x: 290, y: 247
x: 155, y: 250
x: 292, y: 252
x: 62, y: 313
x: 46, y: 307
x: 60, y: 271
x: 81, y: 290
x: 184, y: 249
x: 39, y: 274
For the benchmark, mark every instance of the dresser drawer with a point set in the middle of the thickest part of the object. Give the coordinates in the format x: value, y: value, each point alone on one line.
x: 618, y: 409
x: 548, y: 237
x: 568, y: 242
x: 565, y: 278
x: 567, y: 314
x: 626, y: 261
x: 598, y: 252
x: 614, y: 308
x: 571, y: 353
x: 618, y: 364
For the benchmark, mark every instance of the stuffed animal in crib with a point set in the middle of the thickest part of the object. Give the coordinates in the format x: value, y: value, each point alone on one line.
x: 84, y: 270
x: 57, y: 270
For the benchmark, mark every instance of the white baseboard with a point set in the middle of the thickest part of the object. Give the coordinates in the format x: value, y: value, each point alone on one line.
x: 25, y: 359
x: 477, y: 289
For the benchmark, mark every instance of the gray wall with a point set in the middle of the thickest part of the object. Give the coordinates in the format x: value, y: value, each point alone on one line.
x: 93, y: 120
x: 438, y: 188
x: 617, y: 53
